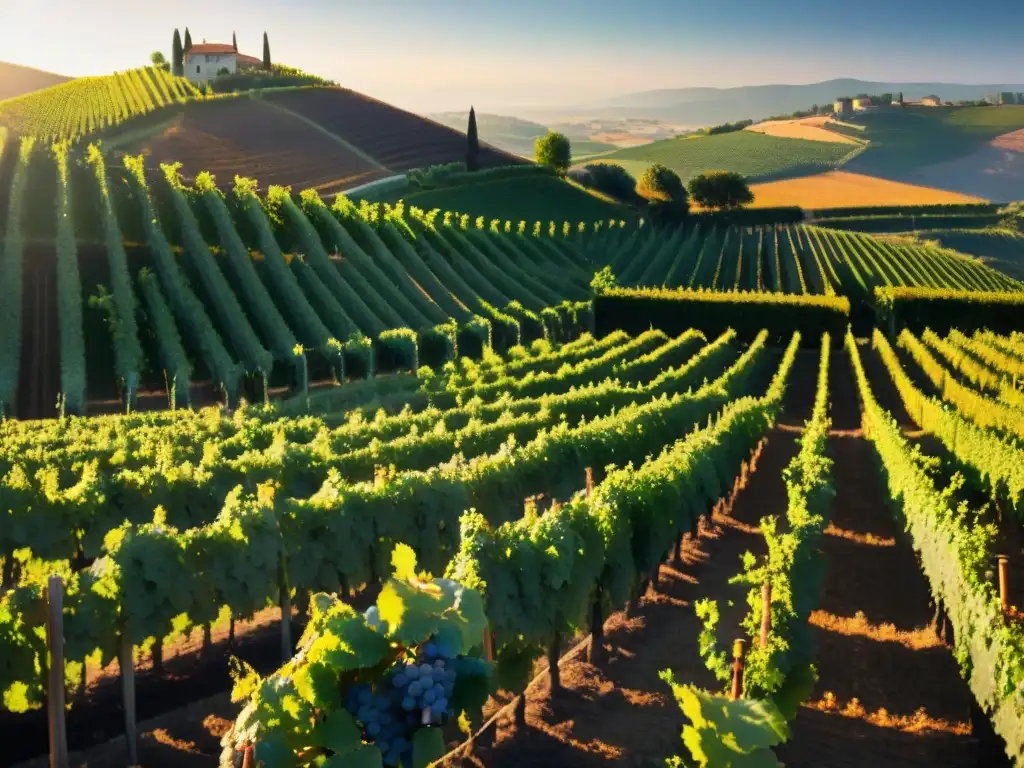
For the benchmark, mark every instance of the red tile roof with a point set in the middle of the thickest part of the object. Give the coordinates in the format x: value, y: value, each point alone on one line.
x: 208, y: 48
x: 243, y: 59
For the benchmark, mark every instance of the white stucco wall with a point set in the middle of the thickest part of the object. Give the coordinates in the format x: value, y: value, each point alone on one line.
x: 203, y: 67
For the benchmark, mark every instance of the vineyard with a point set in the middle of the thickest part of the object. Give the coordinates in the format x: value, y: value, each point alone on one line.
x: 89, y: 104
x: 432, y: 486
x: 164, y: 292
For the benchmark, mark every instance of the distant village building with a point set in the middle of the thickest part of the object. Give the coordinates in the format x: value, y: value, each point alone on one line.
x: 931, y: 101
x: 844, y: 107
x: 208, y: 61
x: 862, y: 103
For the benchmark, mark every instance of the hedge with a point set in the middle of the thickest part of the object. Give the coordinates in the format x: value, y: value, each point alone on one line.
x: 911, y: 222
x: 906, y: 210
x: 635, y: 310
x: 941, y: 310
x: 750, y: 217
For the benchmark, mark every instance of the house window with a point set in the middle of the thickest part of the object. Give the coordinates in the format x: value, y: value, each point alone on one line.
x: 197, y: 69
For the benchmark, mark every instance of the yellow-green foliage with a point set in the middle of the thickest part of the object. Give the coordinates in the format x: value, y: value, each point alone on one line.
x: 88, y: 104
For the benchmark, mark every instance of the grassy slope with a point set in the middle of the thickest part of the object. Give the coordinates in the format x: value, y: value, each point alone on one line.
x: 16, y: 80
x: 904, y: 140
x: 535, y: 198
x: 751, y: 154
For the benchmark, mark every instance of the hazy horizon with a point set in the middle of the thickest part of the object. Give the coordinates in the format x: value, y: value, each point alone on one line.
x: 447, y: 56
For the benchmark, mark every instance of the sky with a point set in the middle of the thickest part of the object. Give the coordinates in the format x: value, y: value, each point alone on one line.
x: 436, y: 55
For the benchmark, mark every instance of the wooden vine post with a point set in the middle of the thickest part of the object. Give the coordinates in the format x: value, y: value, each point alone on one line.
x: 1004, y: 582
x: 766, y: 613
x: 55, y: 673
x: 596, y: 611
x: 286, y: 609
x: 126, y: 661
x: 553, y: 672
x: 737, y: 668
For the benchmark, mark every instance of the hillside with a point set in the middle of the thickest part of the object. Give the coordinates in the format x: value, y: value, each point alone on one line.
x: 87, y: 105
x: 710, y: 106
x: 970, y: 150
x: 752, y: 154
x: 258, y: 274
x: 16, y: 80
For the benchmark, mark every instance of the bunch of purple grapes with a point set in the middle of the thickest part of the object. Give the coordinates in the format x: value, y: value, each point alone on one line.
x: 411, y: 694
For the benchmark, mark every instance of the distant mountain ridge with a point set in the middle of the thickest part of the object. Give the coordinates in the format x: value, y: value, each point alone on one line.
x: 707, y: 106
x: 16, y: 80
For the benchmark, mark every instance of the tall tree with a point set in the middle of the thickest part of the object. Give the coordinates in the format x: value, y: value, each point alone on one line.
x: 234, y: 42
x: 266, y: 52
x: 177, y: 54
x: 472, y: 143
x: 188, y: 40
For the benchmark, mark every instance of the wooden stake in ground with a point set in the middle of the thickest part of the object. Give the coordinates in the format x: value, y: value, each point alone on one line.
x: 737, y: 668
x: 766, y: 613
x: 55, y: 677
x: 553, y: 672
x: 1004, y: 582
x: 127, y: 663
x: 594, y: 653
x: 286, y: 611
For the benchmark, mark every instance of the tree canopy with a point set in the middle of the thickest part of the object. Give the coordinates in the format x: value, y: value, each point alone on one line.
x: 724, y: 190
x: 177, y: 54
x: 266, y: 52
x: 159, y: 61
x: 658, y: 184
x: 554, y: 151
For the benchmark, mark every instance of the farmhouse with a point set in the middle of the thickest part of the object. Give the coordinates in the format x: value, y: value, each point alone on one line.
x: 931, y: 101
x: 844, y: 107
x: 208, y: 61
x: 862, y: 103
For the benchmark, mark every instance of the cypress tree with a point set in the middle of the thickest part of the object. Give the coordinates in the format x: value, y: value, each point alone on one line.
x: 266, y: 52
x: 234, y: 42
x: 472, y: 143
x: 177, y: 54
x: 188, y: 40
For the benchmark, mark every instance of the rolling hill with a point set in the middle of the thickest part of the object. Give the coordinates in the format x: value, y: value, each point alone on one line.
x: 710, y: 106
x: 16, y: 80
x: 327, y: 139
x: 754, y: 155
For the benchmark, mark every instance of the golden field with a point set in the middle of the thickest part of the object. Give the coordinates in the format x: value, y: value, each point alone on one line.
x: 841, y: 189
x: 809, y: 128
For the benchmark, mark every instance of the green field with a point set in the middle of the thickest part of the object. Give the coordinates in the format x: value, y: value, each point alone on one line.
x: 530, y: 199
x: 904, y: 140
x: 751, y: 154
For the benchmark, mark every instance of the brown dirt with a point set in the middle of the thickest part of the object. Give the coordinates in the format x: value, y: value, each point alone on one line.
x: 247, y: 137
x: 189, y: 676
x: 623, y: 712
x: 395, y: 138
x: 888, y: 694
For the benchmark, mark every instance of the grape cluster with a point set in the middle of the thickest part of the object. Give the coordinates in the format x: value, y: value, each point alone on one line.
x: 392, y: 712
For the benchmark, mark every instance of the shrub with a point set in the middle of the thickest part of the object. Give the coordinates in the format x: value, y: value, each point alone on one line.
x: 662, y: 185
x: 609, y: 178
x: 723, y: 190
x: 554, y: 151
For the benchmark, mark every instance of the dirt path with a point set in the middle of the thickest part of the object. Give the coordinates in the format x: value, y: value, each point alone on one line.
x: 874, y: 641
x: 624, y: 713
